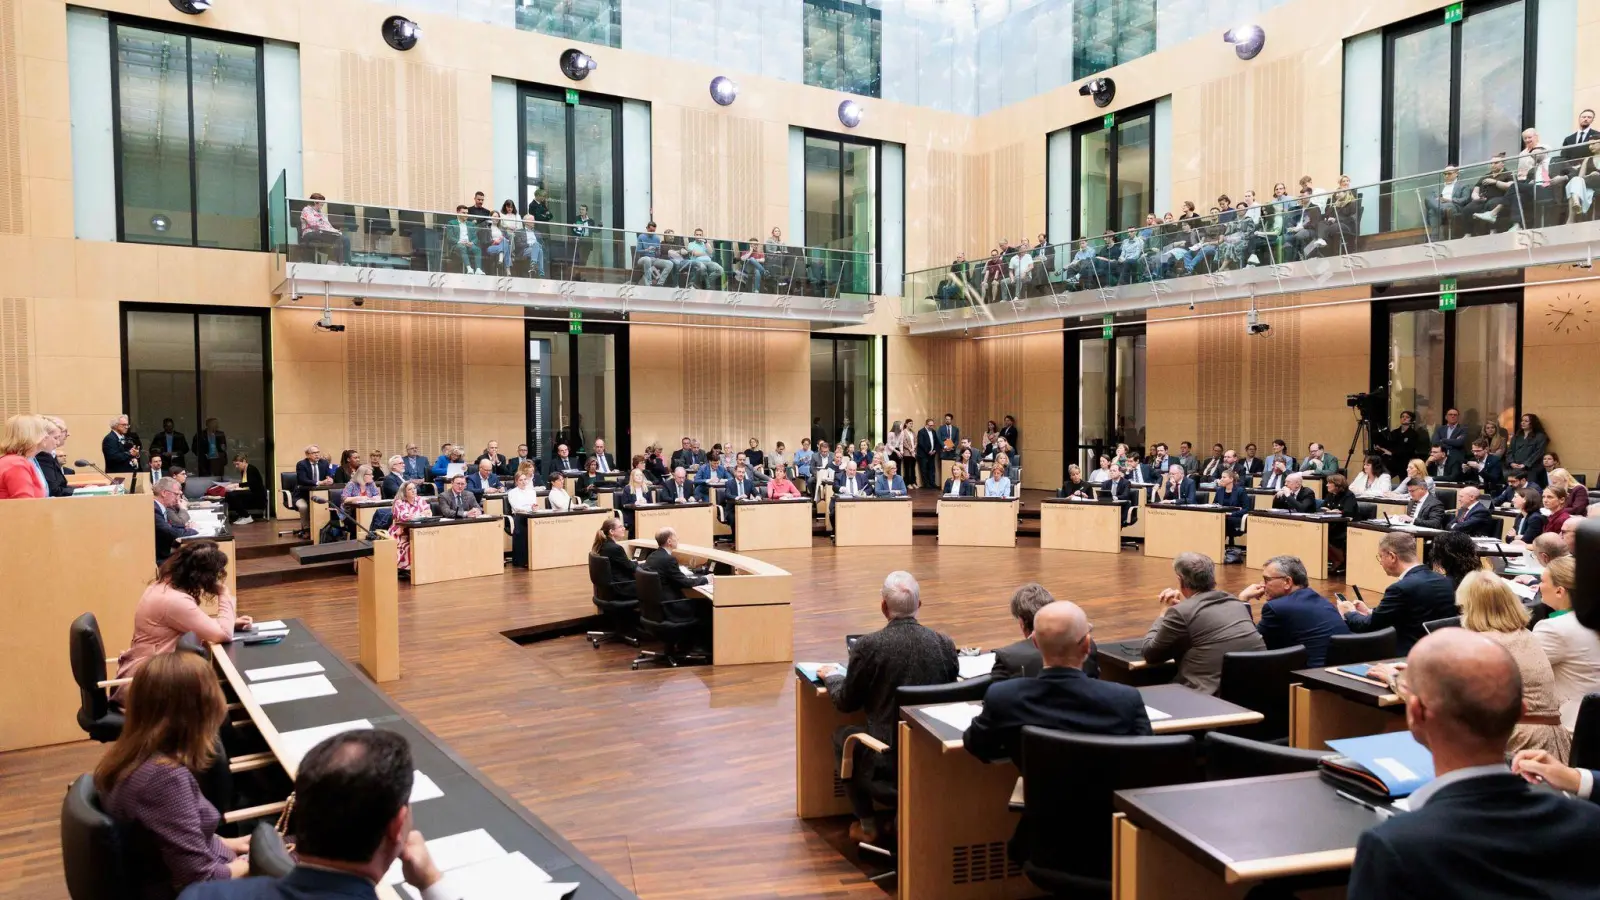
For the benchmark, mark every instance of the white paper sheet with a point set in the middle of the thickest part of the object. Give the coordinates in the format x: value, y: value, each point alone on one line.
x: 296, y: 744
x: 292, y: 689
x: 500, y: 878
x: 454, y: 852
x: 973, y: 666
x: 273, y: 625
x: 1524, y: 591
x: 424, y: 788
x: 285, y: 671
x: 1156, y: 715
x: 956, y: 715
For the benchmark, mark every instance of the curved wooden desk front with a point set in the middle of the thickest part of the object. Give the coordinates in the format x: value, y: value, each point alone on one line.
x: 751, y: 619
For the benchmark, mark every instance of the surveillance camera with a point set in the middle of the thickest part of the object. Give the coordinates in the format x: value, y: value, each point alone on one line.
x: 294, y: 298
x: 1257, y: 328
x: 359, y: 301
x: 326, y: 323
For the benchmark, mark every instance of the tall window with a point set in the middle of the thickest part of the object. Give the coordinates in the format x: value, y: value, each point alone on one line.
x: 1115, y: 183
x: 573, y: 153
x: 1464, y: 359
x: 1109, y: 393
x: 844, y: 46
x: 1107, y: 33
x: 842, y: 389
x: 1455, y: 94
x: 574, y: 393
x: 842, y: 205
x: 189, y: 137
x: 592, y: 21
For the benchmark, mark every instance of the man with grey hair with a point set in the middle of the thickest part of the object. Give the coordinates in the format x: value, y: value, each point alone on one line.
x: 1463, y: 696
x: 168, y: 494
x: 1294, y: 496
x: 1023, y: 659
x: 121, y: 452
x: 1472, y: 516
x: 902, y: 653
x: 1417, y: 595
x: 1294, y: 613
x: 1199, y: 624
x: 674, y: 579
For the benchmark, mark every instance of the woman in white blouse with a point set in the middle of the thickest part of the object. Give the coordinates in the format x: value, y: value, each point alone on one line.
x: 1372, y: 479
x: 559, y: 499
x: 523, y: 498
x: 1573, y: 650
x: 637, y: 490
x: 1101, y: 472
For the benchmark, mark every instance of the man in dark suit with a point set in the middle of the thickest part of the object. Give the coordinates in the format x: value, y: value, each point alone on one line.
x: 1451, y: 436
x: 313, y: 471
x: 121, y: 453
x: 1022, y: 659
x: 686, y: 456
x: 1483, y: 468
x: 674, y: 605
x: 1417, y: 595
x: 416, y: 465
x: 457, y: 502
x: 1294, y: 496
x: 1463, y: 696
x: 168, y: 493
x: 563, y: 461
x: 1176, y: 487
x: 608, y: 463
x: 484, y: 479
x: 1473, y: 516
x: 1426, y: 510
x: 678, y: 488
x: 928, y: 454
x: 1294, y: 613
x: 902, y: 653
x: 1009, y: 432
x: 211, y: 450
x: 1251, y: 464
x: 1159, y: 461
x: 1575, y: 146
x: 1276, y: 475
x: 509, y: 470
x: 949, y: 438
x: 357, y: 786
x: 171, y: 445
x: 740, y: 487
x: 396, y: 478
x: 491, y: 452
x: 1440, y: 466
x: 848, y: 483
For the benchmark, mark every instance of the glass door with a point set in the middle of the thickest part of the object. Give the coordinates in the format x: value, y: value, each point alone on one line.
x: 841, y: 194
x: 574, y: 393
x: 1108, y: 404
x: 842, y: 380
x: 1465, y: 359
x: 571, y: 169
x: 1114, y: 185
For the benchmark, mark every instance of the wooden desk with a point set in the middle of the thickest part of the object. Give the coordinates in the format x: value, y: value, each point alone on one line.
x: 554, y: 540
x: 1123, y: 663
x: 1326, y: 705
x: 448, y: 549
x: 1216, y: 839
x: 365, y: 510
x: 872, y: 522
x: 751, y: 619
x: 818, y: 790
x: 1091, y: 525
x: 1314, y: 482
x: 692, y: 521
x: 63, y: 558
x: 1278, y: 533
x: 771, y: 524
x: 977, y: 522
x: 953, y: 806
x: 1361, y: 567
x: 1171, y: 529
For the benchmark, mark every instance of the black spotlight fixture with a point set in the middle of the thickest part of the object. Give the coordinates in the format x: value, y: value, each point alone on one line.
x: 1247, y: 40
x: 1103, y: 90
x: 401, y: 33
x: 850, y: 114
x: 191, y: 7
x: 724, y: 90
x: 577, y: 65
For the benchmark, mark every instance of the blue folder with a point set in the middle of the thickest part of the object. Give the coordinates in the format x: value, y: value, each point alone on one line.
x: 1394, y: 759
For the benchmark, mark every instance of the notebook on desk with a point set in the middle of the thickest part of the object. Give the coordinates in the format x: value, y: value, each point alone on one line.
x: 808, y: 670
x: 1380, y: 766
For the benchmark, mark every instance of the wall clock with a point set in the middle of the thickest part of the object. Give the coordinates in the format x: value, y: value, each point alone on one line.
x: 1569, y: 314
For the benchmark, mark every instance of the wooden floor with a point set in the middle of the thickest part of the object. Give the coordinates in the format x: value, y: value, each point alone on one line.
x: 679, y: 782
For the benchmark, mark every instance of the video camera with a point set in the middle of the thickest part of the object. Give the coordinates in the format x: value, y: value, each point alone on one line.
x: 1372, y: 408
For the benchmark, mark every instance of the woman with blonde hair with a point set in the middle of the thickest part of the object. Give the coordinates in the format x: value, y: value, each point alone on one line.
x: 1490, y: 608
x: 23, y: 437
x: 1577, y: 494
x: 1573, y: 650
x: 1416, y: 471
x: 407, y: 506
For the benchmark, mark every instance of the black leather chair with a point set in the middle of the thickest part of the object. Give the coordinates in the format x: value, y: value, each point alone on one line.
x: 96, y: 716
x: 93, y: 852
x: 1586, y: 735
x: 673, y: 635
x: 1229, y: 756
x: 1064, y: 843
x: 1259, y: 680
x: 1433, y: 625
x: 1365, y: 511
x: 622, y: 615
x: 1345, y: 649
x: 286, y: 486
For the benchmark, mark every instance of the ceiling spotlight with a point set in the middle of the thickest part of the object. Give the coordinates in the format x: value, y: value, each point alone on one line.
x: 160, y: 223
x: 401, y: 33
x: 724, y: 90
x: 191, y: 7
x: 577, y: 65
x: 1247, y: 40
x: 850, y: 114
x: 1103, y: 90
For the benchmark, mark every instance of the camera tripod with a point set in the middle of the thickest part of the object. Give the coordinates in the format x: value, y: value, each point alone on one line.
x: 1362, y: 427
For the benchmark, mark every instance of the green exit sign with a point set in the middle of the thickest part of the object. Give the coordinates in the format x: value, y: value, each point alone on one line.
x: 1105, y: 327
x: 1110, y: 121
x: 572, y: 95
x: 1447, y: 294
x: 1452, y: 13
x: 575, y: 322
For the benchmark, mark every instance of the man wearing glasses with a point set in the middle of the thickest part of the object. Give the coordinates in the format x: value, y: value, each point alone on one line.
x: 168, y: 494
x: 1418, y: 594
x: 1294, y: 613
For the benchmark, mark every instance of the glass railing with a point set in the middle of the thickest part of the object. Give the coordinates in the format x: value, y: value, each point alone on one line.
x: 523, y: 247
x: 1531, y: 191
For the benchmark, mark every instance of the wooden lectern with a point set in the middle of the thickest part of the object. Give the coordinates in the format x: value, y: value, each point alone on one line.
x: 378, y: 606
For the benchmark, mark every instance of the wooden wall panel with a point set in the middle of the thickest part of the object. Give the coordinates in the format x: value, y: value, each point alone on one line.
x: 13, y: 214
x: 1267, y: 102
x: 720, y: 175
x: 1008, y: 191
x: 1559, y: 365
x: 433, y: 145
x: 16, y: 366
x: 941, y: 242
x: 371, y: 157
x: 437, y: 382
x: 376, y: 384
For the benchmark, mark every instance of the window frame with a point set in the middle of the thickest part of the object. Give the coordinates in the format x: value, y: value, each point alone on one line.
x: 536, y: 323
x: 1079, y: 131
x: 876, y: 272
x: 845, y: 8
x: 189, y: 33
x: 607, y: 102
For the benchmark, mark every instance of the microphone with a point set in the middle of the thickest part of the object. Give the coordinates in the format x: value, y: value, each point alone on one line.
x: 371, y: 535
x: 89, y: 465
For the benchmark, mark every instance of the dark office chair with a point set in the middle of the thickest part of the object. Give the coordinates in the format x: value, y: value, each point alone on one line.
x: 1259, y: 680
x: 1230, y: 756
x: 286, y: 486
x: 621, y: 614
x: 377, y: 221
x: 93, y: 853
x: 1586, y: 735
x: 1346, y: 649
x: 1063, y: 843
x: 673, y: 635
x: 88, y: 651
x: 1447, y: 496
x: 1366, y: 511
x: 1433, y: 625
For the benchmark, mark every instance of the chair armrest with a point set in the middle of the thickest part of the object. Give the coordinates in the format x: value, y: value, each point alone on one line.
x: 1015, y: 803
x: 252, y: 761
x: 113, y: 682
x: 848, y: 757
x: 254, y: 812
